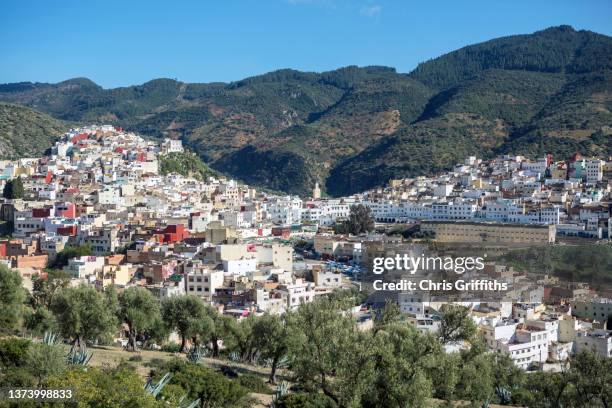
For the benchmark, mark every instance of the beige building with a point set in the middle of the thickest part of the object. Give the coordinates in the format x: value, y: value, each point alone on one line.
x: 326, y: 245
x: 489, y: 232
x: 119, y: 275
x: 277, y: 255
x: 216, y: 233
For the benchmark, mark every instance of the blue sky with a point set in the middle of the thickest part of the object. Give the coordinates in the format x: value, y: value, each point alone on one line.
x: 120, y: 43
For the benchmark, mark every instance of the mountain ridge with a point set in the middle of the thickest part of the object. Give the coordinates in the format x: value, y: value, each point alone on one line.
x: 353, y: 128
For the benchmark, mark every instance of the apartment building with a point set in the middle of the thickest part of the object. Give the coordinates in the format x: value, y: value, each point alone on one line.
x: 203, y: 282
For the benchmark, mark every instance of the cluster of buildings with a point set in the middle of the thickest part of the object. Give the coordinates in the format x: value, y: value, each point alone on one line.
x: 572, y: 196
x: 539, y: 323
x: 101, y: 189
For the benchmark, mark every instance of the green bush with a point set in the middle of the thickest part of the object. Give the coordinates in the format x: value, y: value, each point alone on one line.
x: 14, y: 352
x: 213, y: 389
x: 155, y: 363
x: 303, y: 400
x: 254, y: 383
x: 171, y: 348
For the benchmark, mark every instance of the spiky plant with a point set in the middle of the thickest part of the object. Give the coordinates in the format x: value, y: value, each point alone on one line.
x: 192, y: 404
x: 196, y: 354
x: 281, y: 389
x: 282, y: 362
x: 79, y: 357
x: 155, y: 388
x: 504, y: 395
x: 234, y: 356
x: 50, y: 338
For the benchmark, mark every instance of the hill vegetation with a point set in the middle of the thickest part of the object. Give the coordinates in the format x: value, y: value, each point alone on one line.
x: 185, y: 163
x: 355, y: 128
x: 577, y: 263
x: 25, y: 132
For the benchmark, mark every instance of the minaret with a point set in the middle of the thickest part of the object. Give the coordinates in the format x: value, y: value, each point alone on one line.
x: 316, y: 192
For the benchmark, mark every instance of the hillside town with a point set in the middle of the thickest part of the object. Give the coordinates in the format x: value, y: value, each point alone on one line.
x: 245, y: 252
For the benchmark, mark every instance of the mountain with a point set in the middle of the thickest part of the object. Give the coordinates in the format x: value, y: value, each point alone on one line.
x: 548, y: 92
x: 25, y: 132
x: 355, y: 128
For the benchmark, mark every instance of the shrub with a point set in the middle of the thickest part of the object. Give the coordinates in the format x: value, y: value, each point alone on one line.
x: 171, y: 348
x: 14, y: 352
x: 254, y: 383
x: 155, y: 363
x: 213, y: 389
x: 303, y: 400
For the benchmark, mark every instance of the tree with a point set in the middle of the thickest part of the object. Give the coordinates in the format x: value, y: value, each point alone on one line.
x: 183, y: 314
x: 13, y: 189
x: 476, y: 382
x: 271, y: 334
x: 12, y: 296
x: 544, y: 390
x: 389, y: 315
x: 62, y: 258
x: 139, y: 309
x: 240, y: 337
x: 45, y: 285
x: 402, y: 359
x: 40, y: 320
x: 360, y: 221
x: 328, y: 353
x: 591, y: 376
x: 214, y: 328
x: 456, y: 324
x: 82, y: 314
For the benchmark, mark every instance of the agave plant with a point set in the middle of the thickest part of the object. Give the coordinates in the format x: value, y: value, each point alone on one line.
x: 234, y: 356
x: 281, y: 389
x: 282, y: 362
x: 196, y: 354
x: 50, y: 338
x: 155, y: 388
x: 504, y: 395
x: 192, y: 404
x: 79, y: 357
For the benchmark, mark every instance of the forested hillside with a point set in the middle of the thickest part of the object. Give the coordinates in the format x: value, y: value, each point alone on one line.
x: 25, y: 132
x: 354, y: 128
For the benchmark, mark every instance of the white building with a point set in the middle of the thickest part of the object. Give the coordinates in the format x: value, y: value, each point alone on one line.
x: 239, y: 266
x: 203, y: 282
x: 171, y: 146
x: 594, y: 170
x: 84, y: 266
x: 297, y: 293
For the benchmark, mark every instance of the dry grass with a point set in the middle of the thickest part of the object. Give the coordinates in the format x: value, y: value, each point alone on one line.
x: 111, y: 356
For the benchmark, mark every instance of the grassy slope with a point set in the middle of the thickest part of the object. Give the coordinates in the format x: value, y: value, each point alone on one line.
x: 25, y: 132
